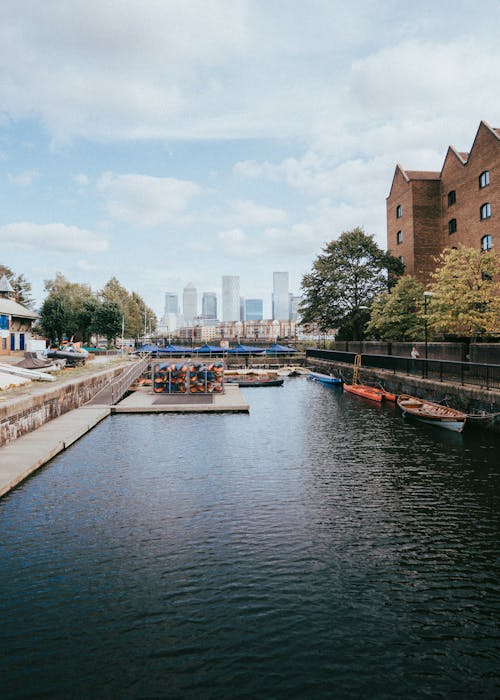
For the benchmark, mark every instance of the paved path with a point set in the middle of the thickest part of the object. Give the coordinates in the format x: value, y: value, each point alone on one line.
x: 25, y: 455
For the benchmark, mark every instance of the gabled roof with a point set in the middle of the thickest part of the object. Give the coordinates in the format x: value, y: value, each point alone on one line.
x: 5, y: 285
x: 12, y: 308
x: 422, y: 175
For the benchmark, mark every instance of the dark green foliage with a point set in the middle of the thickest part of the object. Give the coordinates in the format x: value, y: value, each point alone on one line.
x: 348, y: 275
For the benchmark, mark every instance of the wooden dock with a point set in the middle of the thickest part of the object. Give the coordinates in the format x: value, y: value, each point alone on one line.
x: 145, y: 401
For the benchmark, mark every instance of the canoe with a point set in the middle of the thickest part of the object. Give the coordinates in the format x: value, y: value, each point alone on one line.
x: 370, y: 392
x: 255, y: 381
x: 432, y: 413
x: 324, y: 378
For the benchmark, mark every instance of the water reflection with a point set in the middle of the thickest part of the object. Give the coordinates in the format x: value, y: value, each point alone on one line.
x: 319, y: 547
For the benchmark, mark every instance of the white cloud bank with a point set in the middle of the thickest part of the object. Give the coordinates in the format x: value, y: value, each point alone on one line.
x: 55, y: 238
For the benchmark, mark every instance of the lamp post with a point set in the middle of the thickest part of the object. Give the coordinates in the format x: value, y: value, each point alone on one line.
x: 426, y: 295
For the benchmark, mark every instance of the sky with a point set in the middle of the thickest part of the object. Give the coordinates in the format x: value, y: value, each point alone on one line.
x: 172, y: 141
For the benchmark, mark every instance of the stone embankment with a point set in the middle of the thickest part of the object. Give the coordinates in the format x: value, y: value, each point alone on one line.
x: 481, y: 405
x: 31, y: 406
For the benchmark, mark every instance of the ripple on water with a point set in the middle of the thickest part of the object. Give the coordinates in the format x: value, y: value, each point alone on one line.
x: 318, y: 547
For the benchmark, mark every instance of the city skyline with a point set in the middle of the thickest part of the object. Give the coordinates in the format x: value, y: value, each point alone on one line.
x: 162, y: 143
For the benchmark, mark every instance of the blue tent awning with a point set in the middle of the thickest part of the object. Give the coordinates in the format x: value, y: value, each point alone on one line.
x: 175, y: 348
x: 210, y: 349
x: 280, y: 348
x: 245, y: 349
x: 147, y: 348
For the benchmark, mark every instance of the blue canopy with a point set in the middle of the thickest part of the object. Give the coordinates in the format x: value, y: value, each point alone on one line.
x: 147, y: 348
x: 175, y: 348
x: 280, y: 348
x: 245, y: 349
x: 210, y: 348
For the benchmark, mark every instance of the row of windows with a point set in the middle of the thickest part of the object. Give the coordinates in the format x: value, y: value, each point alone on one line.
x: 484, y: 181
x: 486, y: 241
x: 484, y: 213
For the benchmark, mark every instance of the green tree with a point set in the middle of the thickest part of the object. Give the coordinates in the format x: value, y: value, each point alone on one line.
x: 78, y: 302
x: 344, y: 281
x: 465, y: 293
x: 396, y: 315
x: 54, y: 318
x: 137, y: 314
x: 20, y: 285
x: 108, y: 320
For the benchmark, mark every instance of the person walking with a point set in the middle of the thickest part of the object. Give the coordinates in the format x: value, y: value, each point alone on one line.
x: 415, y: 353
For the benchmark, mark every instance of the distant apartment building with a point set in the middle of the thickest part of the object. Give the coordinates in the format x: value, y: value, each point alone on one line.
x: 209, y: 305
x: 254, y: 310
x: 281, y: 302
x: 428, y: 211
x: 230, y: 298
x: 189, y: 303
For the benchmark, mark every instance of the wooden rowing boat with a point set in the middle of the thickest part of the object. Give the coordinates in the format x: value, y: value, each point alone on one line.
x: 432, y: 413
x: 370, y: 392
x: 324, y: 378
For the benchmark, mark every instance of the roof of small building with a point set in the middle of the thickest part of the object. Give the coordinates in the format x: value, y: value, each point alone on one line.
x: 5, y: 285
x: 12, y: 308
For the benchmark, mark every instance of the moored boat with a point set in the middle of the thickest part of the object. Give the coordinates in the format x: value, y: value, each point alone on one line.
x: 324, y: 378
x: 370, y: 392
x: 244, y: 381
x: 432, y: 413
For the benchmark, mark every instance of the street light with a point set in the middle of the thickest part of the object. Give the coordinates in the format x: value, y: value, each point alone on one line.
x: 426, y: 294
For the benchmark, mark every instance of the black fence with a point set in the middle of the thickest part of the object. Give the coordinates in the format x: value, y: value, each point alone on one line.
x: 465, y: 373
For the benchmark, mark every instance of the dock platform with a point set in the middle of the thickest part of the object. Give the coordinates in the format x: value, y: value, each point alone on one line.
x: 145, y: 401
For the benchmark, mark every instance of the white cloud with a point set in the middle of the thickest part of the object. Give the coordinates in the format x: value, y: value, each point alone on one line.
x: 236, y: 244
x: 143, y: 200
x: 55, y: 238
x: 25, y: 178
x: 81, y: 179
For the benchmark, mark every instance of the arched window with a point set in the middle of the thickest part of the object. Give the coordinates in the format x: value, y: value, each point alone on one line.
x: 399, y: 237
x: 487, y: 242
x: 485, y: 211
x: 399, y: 211
x: 452, y: 197
x: 452, y: 226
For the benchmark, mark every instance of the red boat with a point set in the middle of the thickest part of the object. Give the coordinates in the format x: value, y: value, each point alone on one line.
x: 370, y: 392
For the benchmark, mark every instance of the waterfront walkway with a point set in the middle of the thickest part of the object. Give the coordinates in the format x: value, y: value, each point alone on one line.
x: 23, y: 456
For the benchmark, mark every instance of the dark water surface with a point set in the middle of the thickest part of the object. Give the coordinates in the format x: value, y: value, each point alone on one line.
x: 320, y: 547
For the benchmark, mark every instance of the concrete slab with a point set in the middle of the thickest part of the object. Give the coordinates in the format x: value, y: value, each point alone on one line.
x: 145, y: 401
x: 28, y: 453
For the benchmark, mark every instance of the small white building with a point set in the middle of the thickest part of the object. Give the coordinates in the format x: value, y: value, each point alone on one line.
x: 15, y: 321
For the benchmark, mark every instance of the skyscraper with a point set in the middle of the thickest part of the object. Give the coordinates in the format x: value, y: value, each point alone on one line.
x: 209, y: 305
x: 171, y: 303
x: 189, y: 303
x: 254, y: 309
x: 281, y: 301
x: 295, y: 300
x: 230, y: 298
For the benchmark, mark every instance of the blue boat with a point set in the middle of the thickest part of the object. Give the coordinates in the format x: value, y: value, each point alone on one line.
x: 324, y: 378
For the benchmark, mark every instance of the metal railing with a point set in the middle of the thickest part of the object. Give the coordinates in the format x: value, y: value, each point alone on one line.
x: 464, y: 373
x: 113, y: 392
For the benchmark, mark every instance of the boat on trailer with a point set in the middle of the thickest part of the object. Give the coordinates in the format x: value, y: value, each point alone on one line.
x: 432, y: 413
x: 370, y: 392
x: 324, y: 378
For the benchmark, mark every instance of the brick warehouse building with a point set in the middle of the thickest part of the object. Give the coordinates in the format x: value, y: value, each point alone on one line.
x: 429, y: 211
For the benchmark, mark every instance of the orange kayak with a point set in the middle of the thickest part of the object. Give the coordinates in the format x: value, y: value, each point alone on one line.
x: 370, y: 392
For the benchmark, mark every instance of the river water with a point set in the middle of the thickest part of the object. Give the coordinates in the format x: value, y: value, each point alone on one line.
x: 319, y: 547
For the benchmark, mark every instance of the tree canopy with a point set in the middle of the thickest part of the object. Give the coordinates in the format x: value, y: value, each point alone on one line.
x: 343, y: 282
x: 465, y: 293
x: 396, y: 315
x: 20, y: 285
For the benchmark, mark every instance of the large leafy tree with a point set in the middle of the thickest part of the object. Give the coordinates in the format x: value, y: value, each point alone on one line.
x: 465, y: 293
x: 396, y: 315
x: 78, y: 303
x: 344, y: 280
x: 108, y: 320
x: 137, y: 314
x: 20, y: 285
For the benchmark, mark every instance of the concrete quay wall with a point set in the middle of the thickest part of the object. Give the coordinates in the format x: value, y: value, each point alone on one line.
x: 470, y: 399
x: 22, y: 414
